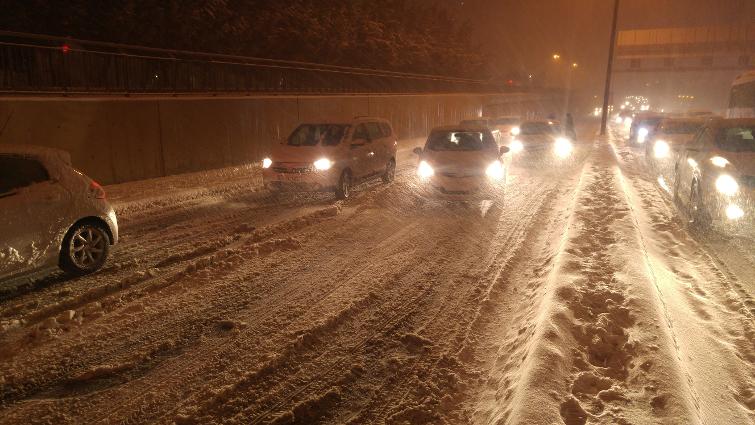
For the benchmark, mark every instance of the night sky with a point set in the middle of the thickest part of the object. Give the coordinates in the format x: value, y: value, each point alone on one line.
x: 521, y: 35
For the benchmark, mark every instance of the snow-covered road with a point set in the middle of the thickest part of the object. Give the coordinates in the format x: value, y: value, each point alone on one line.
x: 578, y: 296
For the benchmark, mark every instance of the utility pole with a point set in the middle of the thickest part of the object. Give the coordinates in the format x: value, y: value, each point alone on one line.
x: 609, y: 68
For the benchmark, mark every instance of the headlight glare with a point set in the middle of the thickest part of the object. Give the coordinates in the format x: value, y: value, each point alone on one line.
x: 515, y: 131
x: 726, y: 185
x: 424, y: 170
x: 642, y: 133
x: 267, y: 162
x: 661, y: 149
x: 323, y: 164
x: 516, y: 146
x: 563, y: 147
x: 734, y: 212
x: 495, y: 170
x: 719, y: 161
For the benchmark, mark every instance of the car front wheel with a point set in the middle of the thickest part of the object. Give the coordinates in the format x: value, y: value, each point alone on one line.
x: 85, y: 249
x: 390, y: 172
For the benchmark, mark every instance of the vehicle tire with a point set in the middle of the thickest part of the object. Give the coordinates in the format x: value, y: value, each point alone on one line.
x: 697, y: 212
x: 390, y: 172
x: 343, y: 189
x: 85, y: 248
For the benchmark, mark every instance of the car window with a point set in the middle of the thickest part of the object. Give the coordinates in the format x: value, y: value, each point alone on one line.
x: 460, y: 141
x: 360, y: 132
x: 697, y: 142
x: 316, y: 134
x: 386, y: 129
x: 373, y: 129
x: 532, y: 128
x: 737, y: 139
x: 17, y: 172
x: 506, y: 121
x: 680, y: 127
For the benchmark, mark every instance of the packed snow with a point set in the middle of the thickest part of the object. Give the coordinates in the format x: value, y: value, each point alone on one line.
x: 579, y: 295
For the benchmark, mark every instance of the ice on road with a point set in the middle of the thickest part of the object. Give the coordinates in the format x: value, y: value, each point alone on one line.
x: 577, y: 296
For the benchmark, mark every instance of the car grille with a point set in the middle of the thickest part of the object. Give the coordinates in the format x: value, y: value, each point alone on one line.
x: 462, y: 173
x: 291, y: 170
x: 748, y: 181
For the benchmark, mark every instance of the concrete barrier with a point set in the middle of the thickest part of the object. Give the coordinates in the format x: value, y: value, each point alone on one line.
x: 117, y: 140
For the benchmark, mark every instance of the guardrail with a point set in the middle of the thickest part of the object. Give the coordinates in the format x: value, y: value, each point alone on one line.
x: 33, y: 64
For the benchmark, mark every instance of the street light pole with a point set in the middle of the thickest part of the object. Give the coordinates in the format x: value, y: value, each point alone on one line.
x: 607, y: 91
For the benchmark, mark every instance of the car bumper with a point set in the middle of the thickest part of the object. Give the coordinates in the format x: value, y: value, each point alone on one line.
x: 301, y: 182
x: 461, y: 187
x: 112, y: 222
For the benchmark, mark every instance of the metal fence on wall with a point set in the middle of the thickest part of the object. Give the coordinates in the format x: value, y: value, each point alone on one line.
x: 40, y: 64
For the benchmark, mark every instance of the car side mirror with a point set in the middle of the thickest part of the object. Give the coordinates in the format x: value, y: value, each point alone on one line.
x: 417, y: 151
x: 504, y: 150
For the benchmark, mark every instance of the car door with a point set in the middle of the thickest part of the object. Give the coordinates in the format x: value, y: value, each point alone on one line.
x: 361, y: 155
x: 29, y: 199
x: 688, y: 165
x: 377, y: 153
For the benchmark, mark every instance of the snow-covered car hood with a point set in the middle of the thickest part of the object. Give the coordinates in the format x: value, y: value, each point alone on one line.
x: 675, y: 139
x: 286, y: 153
x: 460, y: 161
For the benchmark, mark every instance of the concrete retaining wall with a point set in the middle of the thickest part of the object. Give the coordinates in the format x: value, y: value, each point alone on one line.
x: 117, y: 140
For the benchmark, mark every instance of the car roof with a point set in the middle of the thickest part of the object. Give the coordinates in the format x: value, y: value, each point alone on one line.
x: 461, y: 128
x: 51, y: 155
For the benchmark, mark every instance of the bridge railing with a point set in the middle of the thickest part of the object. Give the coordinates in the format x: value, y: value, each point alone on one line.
x: 32, y: 63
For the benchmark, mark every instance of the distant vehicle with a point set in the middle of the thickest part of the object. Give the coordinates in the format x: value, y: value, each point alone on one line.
x: 488, y: 123
x: 50, y: 214
x: 742, y: 97
x: 328, y: 157
x: 508, y: 126
x: 715, y: 175
x: 462, y: 161
x: 642, y: 126
x: 544, y: 139
x: 661, y: 152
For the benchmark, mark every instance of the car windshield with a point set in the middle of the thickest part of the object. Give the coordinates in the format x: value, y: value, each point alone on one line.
x: 506, y: 121
x: 650, y: 122
x: 460, y: 141
x: 316, y: 134
x: 737, y: 139
x: 531, y: 128
x: 680, y: 127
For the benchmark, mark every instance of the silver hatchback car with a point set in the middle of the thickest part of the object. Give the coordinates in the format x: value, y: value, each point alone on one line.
x: 50, y: 214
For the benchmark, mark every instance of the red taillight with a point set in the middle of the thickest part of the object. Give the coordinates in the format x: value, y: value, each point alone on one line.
x: 96, y: 190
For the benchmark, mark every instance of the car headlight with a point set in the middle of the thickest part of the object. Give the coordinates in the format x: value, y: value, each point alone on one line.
x: 627, y: 121
x: 619, y: 120
x: 515, y: 131
x: 642, y: 133
x: 323, y: 164
x: 734, y: 212
x: 495, y: 170
x: 424, y: 170
x: 726, y: 185
x: 516, y: 146
x: 267, y: 162
x: 719, y: 161
x: 563, y: 147
x: 661, y: 149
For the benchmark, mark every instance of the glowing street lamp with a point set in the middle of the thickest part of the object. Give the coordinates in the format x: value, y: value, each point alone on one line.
x: 556, y: 56
x: 574, y: 65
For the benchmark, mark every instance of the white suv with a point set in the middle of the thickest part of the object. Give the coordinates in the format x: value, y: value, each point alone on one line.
x: 50, y: 214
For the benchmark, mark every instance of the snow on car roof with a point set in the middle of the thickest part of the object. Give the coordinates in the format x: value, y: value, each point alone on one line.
x: 41, y: 152
x: 461, y: 127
